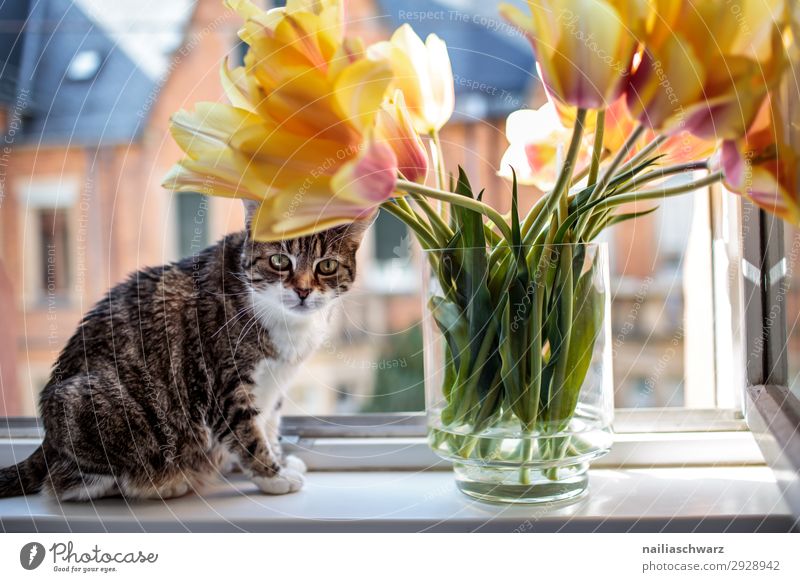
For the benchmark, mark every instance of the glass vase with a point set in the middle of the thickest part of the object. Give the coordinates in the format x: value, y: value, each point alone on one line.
x: 518, y: 377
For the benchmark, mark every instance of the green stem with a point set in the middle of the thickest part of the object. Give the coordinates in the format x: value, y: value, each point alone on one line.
x: 439, y: 225
x: 441, y: 171
x: 552, y: 200
x: 597, y: 149
x: 533, y: 214
x: 564, y: 305
x: 637, y: 181
x: 643, y: 153
x: 458, y: 200
x: 425, y: 237
x: 605, y: 180
x: 527, y: 454
x: 594, y: 167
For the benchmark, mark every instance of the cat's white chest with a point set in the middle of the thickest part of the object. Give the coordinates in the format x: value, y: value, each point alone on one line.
x: 293, y: 341
x: 297, y: 338
x: 271, y: 380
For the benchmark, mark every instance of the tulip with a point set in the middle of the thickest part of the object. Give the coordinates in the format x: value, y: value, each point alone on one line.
x: 706, y: 66
x: 763, y: 167
x: 535, y: 138
x: 680, y: 147
x: 396, y: 127
x: 424, y: 75
x: 584, y: 48
x: 308, y: 133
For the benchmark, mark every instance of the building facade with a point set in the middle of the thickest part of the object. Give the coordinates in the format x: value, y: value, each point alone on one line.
x: 85, y: 99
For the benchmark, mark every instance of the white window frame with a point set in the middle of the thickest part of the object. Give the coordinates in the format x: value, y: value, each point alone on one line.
x: 772, y: 411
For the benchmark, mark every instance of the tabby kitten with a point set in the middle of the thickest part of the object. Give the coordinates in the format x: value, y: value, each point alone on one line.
x: 182, y: 368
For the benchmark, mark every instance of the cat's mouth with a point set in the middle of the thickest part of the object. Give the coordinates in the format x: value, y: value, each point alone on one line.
x: 304, y: 307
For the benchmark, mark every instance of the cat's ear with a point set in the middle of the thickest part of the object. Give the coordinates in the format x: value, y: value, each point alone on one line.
x: 356, y: 230
x: 250, y: 208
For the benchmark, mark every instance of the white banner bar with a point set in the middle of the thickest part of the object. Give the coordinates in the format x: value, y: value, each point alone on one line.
x: 401, y: 557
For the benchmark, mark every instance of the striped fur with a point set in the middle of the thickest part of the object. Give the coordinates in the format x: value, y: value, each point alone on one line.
x: 164, y: 380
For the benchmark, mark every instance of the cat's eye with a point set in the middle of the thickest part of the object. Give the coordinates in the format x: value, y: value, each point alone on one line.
x: 328, y: 266
x: 280, y: 262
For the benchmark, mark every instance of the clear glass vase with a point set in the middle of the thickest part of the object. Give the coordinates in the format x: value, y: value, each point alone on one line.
x: 518, y: 375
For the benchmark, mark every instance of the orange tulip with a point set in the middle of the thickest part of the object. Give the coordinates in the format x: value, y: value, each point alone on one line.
x: 763, y: 167
x: 706, y: 66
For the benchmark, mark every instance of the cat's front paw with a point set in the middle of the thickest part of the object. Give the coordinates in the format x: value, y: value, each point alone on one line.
x: 286, y: 481
x: 295, y: 463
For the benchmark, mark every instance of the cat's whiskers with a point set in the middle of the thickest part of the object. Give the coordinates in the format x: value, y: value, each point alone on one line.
x: 257, y: 314
x: 236, y: 276
x: 233, y: 319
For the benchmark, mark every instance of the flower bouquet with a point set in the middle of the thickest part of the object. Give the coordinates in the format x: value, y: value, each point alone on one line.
x: 322, y: 130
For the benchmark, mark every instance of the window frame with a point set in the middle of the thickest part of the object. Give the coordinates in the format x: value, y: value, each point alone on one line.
x: 772, y: 411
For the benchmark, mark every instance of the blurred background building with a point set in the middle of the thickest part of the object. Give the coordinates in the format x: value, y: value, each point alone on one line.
x: 86, y: 91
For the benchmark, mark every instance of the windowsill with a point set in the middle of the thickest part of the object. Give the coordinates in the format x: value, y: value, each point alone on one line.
x: 658, y: 499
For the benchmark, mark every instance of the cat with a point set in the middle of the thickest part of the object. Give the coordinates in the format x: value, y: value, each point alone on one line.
x: 182, y: 369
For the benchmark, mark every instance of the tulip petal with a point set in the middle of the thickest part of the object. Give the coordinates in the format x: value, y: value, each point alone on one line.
x: 368, y: 179
x: 209, y: 127
x: 288, y: 214
x: 396, y: 128
x: 422, y: 71
x: 668, y: 79
x: 361, y: 89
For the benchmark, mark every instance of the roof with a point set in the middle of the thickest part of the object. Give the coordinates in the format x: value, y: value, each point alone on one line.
x: 112, y: 104
x: 131, y: 41
x: 493, y: 65
x: 12, y: 15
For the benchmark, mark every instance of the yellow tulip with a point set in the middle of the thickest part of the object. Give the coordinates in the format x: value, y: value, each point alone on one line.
x: 706, y: 66
x: 584, y: 48
x: 535, y: 137
x: 424, y: 75
x: 308, y: 134
x: 763, y: 167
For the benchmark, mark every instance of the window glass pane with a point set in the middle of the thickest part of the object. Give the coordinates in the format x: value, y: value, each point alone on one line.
x: 391, y: 238
x: 654, y: 262
x: 54, y: 259
x: 792, y: 306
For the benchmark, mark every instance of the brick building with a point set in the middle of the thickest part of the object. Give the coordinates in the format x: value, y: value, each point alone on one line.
x: 86, y: 92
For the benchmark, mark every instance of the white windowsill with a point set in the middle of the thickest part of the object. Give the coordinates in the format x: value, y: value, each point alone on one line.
x: 687, y: 481
x: 660, y: 499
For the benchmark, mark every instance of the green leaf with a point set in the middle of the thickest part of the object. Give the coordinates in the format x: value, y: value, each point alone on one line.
x: 560, y: 332
x: 480, y: 309
x: 452, y: 325
x: 618, y: 218
x: 583, y: 196
x: 587, y: 321
x: 514, y: 344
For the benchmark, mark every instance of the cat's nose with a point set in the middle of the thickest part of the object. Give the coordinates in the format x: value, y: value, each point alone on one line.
x: 302, y: 293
